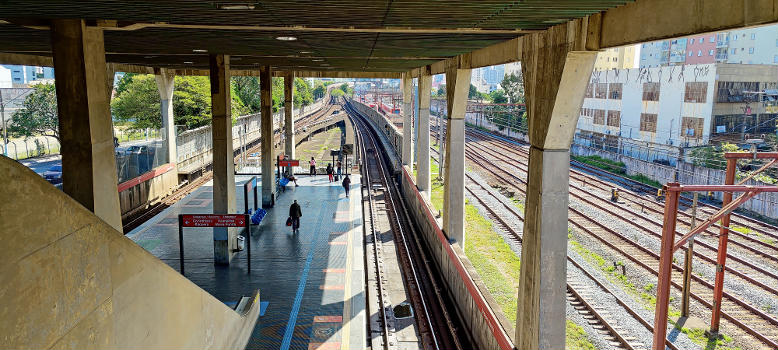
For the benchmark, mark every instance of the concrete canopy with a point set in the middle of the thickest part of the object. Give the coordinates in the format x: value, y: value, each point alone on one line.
x: 341, y: 35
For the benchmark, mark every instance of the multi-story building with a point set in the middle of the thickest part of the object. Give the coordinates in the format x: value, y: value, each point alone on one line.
x: 651, y: 113
x: 701, y: 49
x: 6, y: 80
x: 616, y: 58
x: 23, y: 75
x: 755, y: 45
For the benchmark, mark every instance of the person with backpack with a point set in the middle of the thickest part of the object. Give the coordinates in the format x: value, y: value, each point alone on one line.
x: 295, y: 213
x: 346, y: 184
x: 329, y: 172
x: 313, y: 166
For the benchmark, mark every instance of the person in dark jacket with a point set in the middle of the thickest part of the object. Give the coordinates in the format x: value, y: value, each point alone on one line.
x: 346, y: 184
x: 295, y: 213
x: 329, y: 172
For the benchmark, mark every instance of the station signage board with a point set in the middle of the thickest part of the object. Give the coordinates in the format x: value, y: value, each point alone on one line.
x: 289, y: 162
x: 213, y: 220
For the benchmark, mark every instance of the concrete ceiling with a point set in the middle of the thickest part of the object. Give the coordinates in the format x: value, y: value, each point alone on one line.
x: 336, y: 35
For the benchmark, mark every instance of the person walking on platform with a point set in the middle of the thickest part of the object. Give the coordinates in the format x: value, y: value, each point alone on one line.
x: 313, y: 166
x: 338, y: 167
x: 294, y: 215
x: 346, y: 184
x: 329, y: 172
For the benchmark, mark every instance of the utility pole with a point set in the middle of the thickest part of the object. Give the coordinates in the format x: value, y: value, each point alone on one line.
x: 687, y: 267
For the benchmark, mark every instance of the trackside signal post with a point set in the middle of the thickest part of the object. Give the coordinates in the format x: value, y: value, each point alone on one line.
x: 669, y: 245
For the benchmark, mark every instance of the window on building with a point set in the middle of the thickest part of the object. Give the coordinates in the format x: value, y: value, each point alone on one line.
x: 614, y: 118
x: 696, y: 92
x: 753, y: 36
x: 598, y: 117
x: 734, y: 38
x: 734, y: 51
x: 775, y: 59
x: 589, y: 91
x: 690, y: 54
x: 710, y: 53
x: 648, y: 122
x: 614, y: 91
x: 699, y: 53
x: 713, y: 38
x: 751, y: 50
x: 692, y: 127
x: 650, y: 91
x: 692, y: 43
x: 732, y: 91
x: 601, y: 90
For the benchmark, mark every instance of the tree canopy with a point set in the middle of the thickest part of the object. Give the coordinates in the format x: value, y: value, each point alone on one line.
x: 38, y: 115
x: 513, y: 85
x: 498, y: 96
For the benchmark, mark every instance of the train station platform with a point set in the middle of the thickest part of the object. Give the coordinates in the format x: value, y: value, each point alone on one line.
x: 312, y: 282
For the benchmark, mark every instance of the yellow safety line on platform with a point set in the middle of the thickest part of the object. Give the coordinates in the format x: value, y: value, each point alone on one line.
x: 345, y: 340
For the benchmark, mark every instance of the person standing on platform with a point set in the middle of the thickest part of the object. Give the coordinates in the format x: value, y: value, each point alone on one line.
x: 338, y: 166
x: 346, y: 184
x: 329, y: 172
x: 313, y: 166
x: 294, y: 214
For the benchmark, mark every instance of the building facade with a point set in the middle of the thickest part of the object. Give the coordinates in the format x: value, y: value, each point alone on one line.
x: 755, y: 45
x: 24, y: 75
x: 616, y: 58
x: 650, y: 113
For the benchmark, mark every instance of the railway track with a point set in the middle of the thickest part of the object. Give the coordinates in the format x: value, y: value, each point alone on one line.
x: 746, y: 317
x: 133, y: 221
x: 438, y: 327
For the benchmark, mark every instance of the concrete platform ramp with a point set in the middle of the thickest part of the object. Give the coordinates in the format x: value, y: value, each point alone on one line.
x: 69, y: 280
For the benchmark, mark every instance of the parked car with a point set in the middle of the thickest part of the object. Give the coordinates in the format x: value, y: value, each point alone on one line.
x: 139, y: 150
x: 54, y: 175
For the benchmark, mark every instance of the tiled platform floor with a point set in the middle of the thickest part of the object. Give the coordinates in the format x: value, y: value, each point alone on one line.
x: 311, y: 283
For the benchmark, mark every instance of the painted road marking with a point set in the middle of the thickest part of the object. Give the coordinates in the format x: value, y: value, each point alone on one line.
x: 336, y: 319
x: 345, y: 338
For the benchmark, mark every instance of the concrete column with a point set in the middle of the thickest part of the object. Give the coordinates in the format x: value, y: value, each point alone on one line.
x: 407, y: 150
x: 86, y: 130
x: 266, y: 126
x: 165, y: 84
x: 555, y: 80
x: 457, y: 87
x: 224, y: 240
x: 288, y: 116
x: 423, y: 181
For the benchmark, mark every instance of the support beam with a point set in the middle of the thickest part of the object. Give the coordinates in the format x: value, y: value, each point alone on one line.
x: 224, y: 239
x: 423, y: 181
x: 88, y: 160
x: 165, y: 83
x: 407, y: 149
x: 457, y: 88
x: 289, y: 117
x: 266, y: 127
x: 555, y: 79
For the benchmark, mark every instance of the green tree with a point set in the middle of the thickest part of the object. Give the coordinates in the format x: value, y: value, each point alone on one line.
x: 319, y: 91
x: 513, y: 85
x: 713, y: 157
x: 247, y: 89
x: 442, y: 90
x: 38, y: 115
x: 303, y: 94
x: 138, y: 102
x: 473, y: 93
x: 498, y: 96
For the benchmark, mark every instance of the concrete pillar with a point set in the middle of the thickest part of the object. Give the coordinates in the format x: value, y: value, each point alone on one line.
x: 266, y: 126
x: 86, y: 130
x: 224, y: 240
x: 555, y: 80
x: 165, y: 84
x: 407, y: 150
x: 457, y: 87
x: 423, y: 181
x: 289, y: 117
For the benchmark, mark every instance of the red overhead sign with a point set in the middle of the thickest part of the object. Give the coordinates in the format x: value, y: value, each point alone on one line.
x: 289, y: 163
x: 213, y: 220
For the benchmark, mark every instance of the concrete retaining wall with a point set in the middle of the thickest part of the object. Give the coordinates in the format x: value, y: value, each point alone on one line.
x: 147, y: 191
x: 72, y: 281
x: 764, y: 204
x: 489, y: 330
